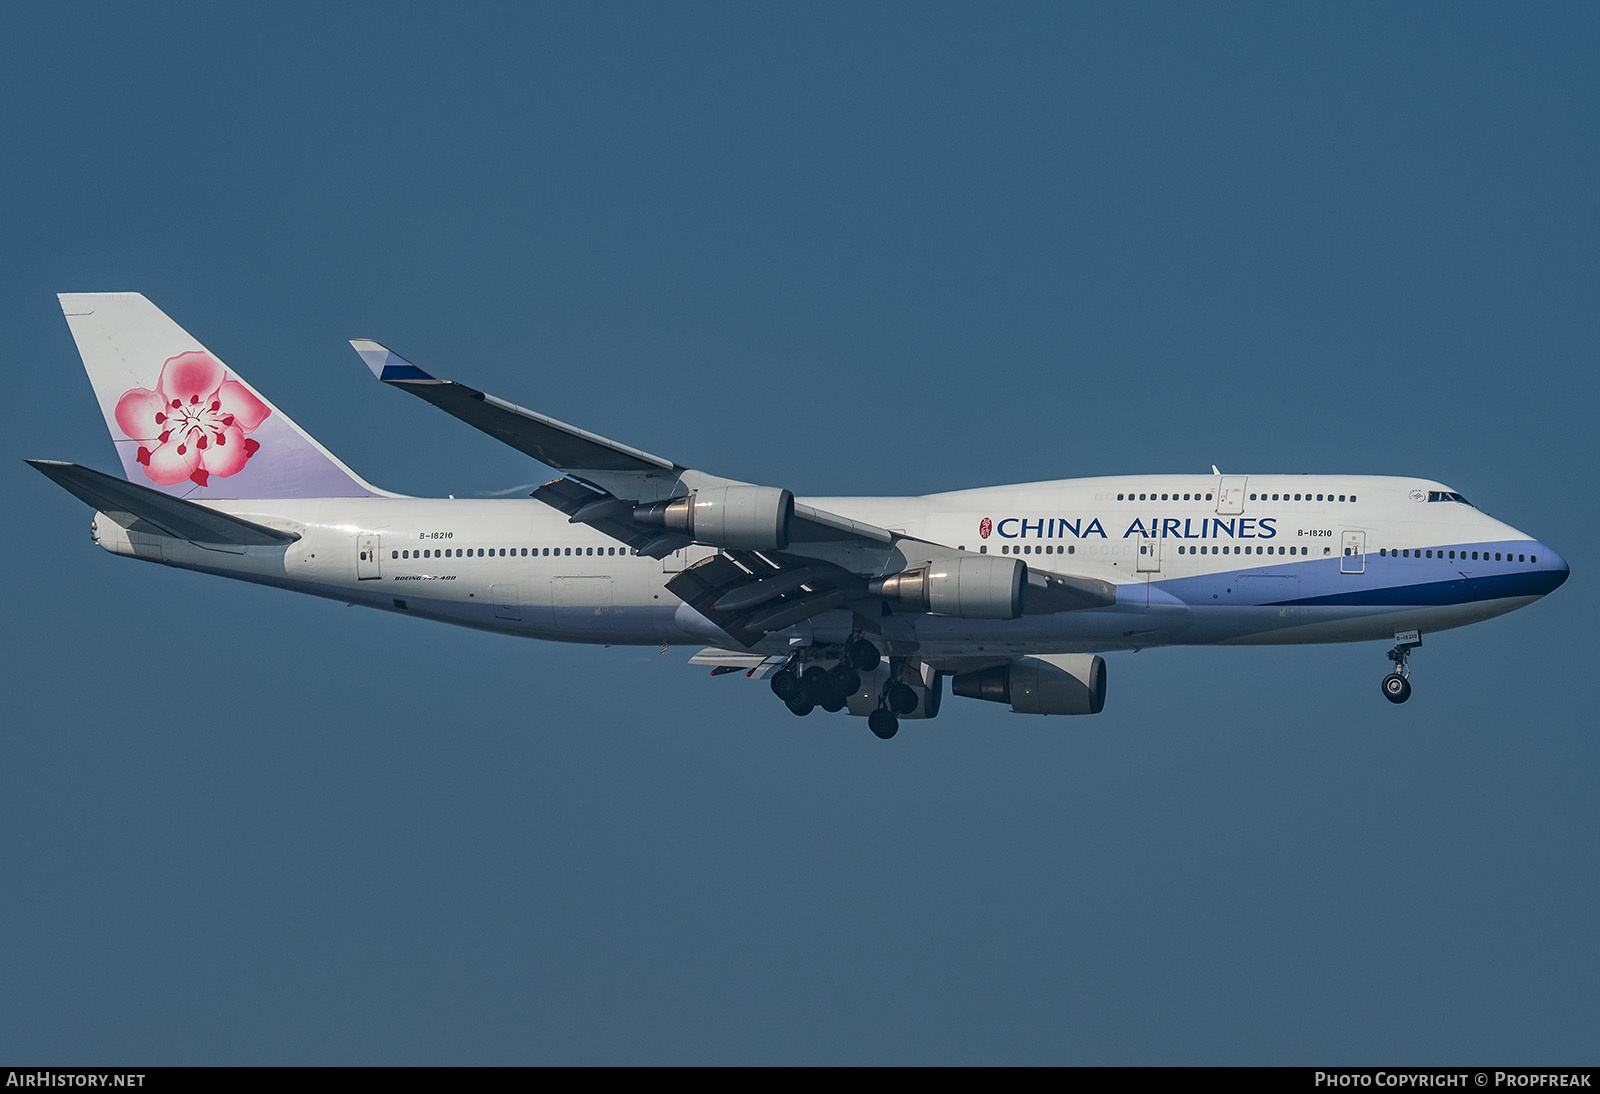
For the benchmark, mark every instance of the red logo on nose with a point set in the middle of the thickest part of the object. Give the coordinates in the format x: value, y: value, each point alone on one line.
x: 985, y: 526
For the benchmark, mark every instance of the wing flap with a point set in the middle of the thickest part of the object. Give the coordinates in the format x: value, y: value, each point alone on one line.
x: 753, y: 665
x: 746, y: 580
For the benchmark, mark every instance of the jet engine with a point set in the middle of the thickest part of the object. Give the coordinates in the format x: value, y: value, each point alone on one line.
x: 967, y: 586
x: 1058, y: 684
x: 755, y: 518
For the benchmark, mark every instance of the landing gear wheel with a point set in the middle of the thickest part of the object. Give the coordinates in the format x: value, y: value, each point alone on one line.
x: 1396, y: 688
x: 902, y: 699
x: 834, y: 702
x: 815, y: 684
x: 785, y: 685
x: 800, y: 706
x: 1397, y: 685
x: 862, y: 655
x: 883, y: 724
x: 846, y: 680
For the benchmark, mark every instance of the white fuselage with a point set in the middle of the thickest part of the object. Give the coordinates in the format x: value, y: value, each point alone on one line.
x: 1195, y: 560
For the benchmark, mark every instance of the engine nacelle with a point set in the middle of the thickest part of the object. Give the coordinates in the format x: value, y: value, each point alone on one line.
x: 1058, y: 684
x: 755, y: 518
x: 967, y: 587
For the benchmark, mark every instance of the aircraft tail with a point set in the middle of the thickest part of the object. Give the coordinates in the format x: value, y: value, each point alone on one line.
x: 182, y: 421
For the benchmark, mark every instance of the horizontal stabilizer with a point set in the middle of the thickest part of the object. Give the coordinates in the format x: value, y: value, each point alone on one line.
x: 558, y: 444
x: 139, y: 508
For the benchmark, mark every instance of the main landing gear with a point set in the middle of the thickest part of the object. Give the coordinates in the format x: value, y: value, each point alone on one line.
x: 897, y: 698
x: 1397, y: 685
x: 803, y: 688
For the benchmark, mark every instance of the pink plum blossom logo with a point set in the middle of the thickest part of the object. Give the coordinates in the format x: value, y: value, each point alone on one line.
x: 193, y: 425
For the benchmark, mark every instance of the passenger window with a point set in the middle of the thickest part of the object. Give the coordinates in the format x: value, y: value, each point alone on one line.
x: 394, y: 554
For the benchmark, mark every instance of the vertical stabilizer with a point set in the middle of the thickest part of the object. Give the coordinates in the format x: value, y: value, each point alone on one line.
x: 186, y: 424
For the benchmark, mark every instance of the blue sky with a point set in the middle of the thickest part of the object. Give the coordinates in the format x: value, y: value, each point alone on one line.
x: 891, y: 249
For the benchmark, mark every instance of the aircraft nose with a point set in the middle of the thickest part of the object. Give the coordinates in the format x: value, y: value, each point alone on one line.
x: 1555, y: 566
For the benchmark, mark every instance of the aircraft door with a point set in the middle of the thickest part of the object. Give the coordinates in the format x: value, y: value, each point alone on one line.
x: 1354, y: 555
x: 368, y: 548
x: 1149, y: 556
x: 1230, y: 495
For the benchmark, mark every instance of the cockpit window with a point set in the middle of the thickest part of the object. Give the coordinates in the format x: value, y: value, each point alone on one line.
x: 1448, y: 495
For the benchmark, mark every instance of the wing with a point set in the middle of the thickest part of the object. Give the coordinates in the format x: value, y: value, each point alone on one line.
x: 556, y: 443
x: 780, y: 561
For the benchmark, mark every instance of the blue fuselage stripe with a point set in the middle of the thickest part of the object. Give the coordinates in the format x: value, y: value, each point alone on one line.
x: 1459, y: 591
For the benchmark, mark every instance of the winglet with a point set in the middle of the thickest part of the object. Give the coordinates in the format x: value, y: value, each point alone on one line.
x: 386, y: 364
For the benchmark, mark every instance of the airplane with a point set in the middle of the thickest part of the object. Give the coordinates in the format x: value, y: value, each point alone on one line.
x: 861, y: 604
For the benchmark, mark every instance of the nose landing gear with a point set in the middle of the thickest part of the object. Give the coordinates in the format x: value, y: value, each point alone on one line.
x: 1397, y: 685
